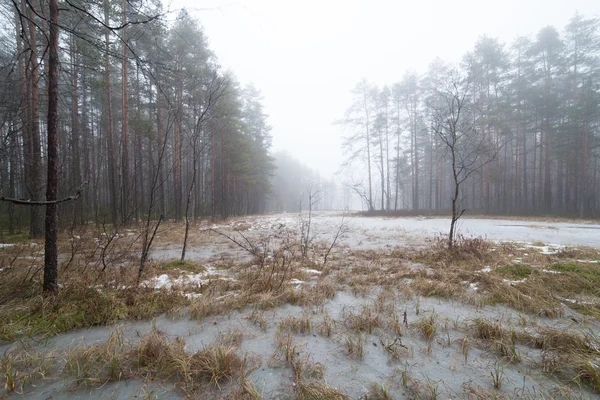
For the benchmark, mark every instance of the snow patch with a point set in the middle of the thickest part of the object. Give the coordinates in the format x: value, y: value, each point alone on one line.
x: 548, y: 271
x: 487, y: 268
x: 6, y: 245
x: 572, y: 301
x: 164, y: 281
x: 547, y: 249
x: 512, y: 283
x: 312, y: 271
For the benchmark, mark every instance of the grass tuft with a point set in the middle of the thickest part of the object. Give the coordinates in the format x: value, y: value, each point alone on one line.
x: 428, y: 326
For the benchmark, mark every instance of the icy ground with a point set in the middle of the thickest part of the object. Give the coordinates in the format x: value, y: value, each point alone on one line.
x: 412, y: 231
x: 440, y: 367
x: 372, y: 233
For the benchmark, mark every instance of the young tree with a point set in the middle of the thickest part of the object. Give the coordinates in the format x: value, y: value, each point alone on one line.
x: 455, y: 124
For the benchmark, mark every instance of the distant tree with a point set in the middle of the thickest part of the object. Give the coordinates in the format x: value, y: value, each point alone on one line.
x: 409, y: 89
x: 582, y: 56
x: 357, y: 146
x: 486, y: 67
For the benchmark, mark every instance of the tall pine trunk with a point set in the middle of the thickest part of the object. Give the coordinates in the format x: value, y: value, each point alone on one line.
x: 51, y: 245
x: 112, y: 176
x: 126, y: 190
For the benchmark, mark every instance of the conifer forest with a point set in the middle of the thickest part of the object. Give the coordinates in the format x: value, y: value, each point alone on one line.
x: 264, y: 199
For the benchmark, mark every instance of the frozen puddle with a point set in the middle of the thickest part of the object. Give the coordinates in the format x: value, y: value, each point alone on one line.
x: 439, y: 364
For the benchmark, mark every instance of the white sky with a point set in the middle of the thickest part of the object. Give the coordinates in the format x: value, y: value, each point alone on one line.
x: 306, y: 56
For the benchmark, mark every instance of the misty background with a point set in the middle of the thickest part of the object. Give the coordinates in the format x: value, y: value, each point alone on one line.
x: 183, y: 110
x: 306, y: 57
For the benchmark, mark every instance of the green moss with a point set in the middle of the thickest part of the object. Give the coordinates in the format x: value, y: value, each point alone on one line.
x: 18, y: 237
x: 187, y: 265
x: 588, y: 272
x: 515, y: 271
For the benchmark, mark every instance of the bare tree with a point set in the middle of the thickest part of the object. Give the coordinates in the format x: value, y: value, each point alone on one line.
x: 314, y: 195
x: 454, y: 122
x: 359, y: 116
x: 215, y: 89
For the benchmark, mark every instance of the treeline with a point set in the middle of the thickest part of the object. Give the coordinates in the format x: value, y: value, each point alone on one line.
x: 147, y: 118
x: 537, y: 100
x: 295, y: 184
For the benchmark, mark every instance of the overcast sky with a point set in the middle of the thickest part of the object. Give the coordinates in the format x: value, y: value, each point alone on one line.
x: 306, y: 56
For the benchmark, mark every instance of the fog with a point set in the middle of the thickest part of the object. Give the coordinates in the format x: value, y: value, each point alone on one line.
x: 306, y: 57
x: 198, y: 166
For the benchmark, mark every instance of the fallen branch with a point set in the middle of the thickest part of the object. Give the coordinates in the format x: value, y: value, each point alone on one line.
x: 25, y: 202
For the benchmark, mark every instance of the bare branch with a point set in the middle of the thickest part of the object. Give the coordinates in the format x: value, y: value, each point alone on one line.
x: 28, y: 202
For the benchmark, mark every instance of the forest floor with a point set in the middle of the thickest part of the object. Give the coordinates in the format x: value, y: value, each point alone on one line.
x: 358, y: 308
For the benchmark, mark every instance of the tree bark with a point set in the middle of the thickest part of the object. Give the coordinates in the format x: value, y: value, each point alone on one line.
x: 35, y: 156
x: 51, y: 245
x: 75, y: 150
x: 126, y: 190
x: 109, y: 123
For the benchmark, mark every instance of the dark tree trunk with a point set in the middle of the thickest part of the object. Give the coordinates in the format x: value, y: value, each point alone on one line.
x: 124, y: 121
x: 75, y: 150
x: 109, y: 124
x: 35, y: 157
x: 51, y: 246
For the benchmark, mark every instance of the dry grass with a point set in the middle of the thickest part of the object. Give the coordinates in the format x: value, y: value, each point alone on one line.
x: 354, y: 346
x: 316, y: 390
x: 309, y: 383
x: 154, y: 356
x: 427, y: 325
x: 246, y: 391
x: 326, y: 327
x: 383, y: 278
x: 573, y: 356
x: 487, y: 330
x: 286, y: 350
x: 100, y: 363
x: 519, y: 277
x: 258, y: 317
x: 499, y: 339
x: 157, y: 357
x: 366, y: 320
x: 22, y: 369
x: 215, y: 364
x: 299, y: 325
x: 28, y: 311
x: 305, y: 370
x: 379, y: 392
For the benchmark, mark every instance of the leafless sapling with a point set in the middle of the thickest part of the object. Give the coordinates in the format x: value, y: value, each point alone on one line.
x: 454, y: 123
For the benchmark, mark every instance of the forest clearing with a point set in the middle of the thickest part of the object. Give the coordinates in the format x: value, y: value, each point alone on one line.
x: 173, y: 175
x: 360, y: 307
